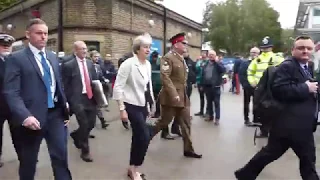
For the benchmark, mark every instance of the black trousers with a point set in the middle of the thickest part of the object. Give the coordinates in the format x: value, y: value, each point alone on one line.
x: 2, y: 121
x: 301, y: 143
x: 189, y: 89
x: 201, y: 93
x: 248, y: 94
x: 86, y: 116
x: 140, y: 133
x: 157, y: 113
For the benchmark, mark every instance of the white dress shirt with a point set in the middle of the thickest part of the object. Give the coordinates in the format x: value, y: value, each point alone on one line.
x: 37, y: 56
x: 80, y: 65
x: 131, y: 82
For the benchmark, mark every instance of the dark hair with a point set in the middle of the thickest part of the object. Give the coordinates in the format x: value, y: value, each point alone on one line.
x: 303, y: 37
x: 34, y: 22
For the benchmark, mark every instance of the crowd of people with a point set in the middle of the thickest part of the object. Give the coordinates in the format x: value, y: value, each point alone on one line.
x: 40, y: 92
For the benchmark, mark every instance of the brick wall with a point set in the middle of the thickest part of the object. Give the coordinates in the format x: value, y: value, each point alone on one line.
x: 112, y: 23
x: 48, y: 11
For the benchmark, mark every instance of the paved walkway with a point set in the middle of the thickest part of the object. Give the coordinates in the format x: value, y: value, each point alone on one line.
x: 224, y: 148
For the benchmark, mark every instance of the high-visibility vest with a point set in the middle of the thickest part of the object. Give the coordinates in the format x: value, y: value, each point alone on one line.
x: 260, y: 64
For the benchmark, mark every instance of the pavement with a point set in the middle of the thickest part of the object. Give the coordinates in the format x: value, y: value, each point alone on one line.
x: 225, y: 148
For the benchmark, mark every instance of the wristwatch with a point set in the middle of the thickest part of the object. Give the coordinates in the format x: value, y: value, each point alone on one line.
x: 122, y: 107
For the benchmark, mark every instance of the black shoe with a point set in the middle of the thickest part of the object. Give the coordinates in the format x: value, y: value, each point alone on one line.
x: 192, y: 155
x: 262, y: 135
x: 125, y: 125
x: 199, y: 114
x: 1, y: 163
x: 238, y: 176
x: 104, y: 125
x: 176, y: 133
x: 86, y: 157
x: 247, y: 122
x: 75, y: 141
x: 167, y: 137
x: 92, y: 136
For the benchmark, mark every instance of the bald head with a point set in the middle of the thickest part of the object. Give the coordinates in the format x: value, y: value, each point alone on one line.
x: 212, y: 55
x: 254, y: 52
x: 80, y: 49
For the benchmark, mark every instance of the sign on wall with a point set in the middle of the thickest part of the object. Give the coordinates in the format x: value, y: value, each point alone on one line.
x: 156, y: 46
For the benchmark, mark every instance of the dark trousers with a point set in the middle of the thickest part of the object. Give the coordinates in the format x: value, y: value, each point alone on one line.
x: 301, y: 143
x: 86, y: 116
x: 248, y: 94
x: 140, y: 133
x: 213, y: 97
x: 2, y: 121
x: 56, y: 135
x: 201, y: 93
x: 189, y: 89
x: 156, y: 95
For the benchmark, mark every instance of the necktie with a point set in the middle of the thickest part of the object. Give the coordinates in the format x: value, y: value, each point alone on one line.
x: 306, y: 70
x: 47, y: 79
x: 87, y: 80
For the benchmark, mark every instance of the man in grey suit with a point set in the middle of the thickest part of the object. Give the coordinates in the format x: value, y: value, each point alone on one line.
x: 78, y: 75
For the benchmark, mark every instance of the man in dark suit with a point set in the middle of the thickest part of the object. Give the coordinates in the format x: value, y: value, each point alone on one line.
x: 95, y: 55
x: 5, y: 49
x: 78, y: 75
x: 294, y: 126
x: 33, y: 90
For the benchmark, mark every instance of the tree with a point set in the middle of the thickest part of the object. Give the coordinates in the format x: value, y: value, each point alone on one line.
x: 6, y: 3
x: 237, y: 25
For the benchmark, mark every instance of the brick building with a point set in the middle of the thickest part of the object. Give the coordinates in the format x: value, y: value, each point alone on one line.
x: 107, y: 25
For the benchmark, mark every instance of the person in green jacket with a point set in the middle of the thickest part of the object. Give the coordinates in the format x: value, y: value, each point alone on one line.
x: 199, y: 68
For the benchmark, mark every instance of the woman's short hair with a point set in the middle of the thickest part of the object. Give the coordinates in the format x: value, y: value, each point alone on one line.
x: 144, y: 39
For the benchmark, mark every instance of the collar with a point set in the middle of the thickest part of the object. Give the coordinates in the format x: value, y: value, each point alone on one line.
x: 80, y: 60
x: 36, y: 51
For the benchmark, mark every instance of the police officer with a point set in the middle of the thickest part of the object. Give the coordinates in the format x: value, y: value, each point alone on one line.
x: 5, y: 49
x: 255, y: 71
x: 173, y: 98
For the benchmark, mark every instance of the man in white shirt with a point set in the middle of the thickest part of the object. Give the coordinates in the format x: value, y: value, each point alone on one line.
x: 78, y: 75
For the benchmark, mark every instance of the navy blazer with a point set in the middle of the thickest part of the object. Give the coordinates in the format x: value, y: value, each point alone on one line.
x: 25, y: 90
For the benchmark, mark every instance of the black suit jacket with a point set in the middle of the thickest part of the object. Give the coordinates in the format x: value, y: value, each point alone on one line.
x: 4, y: 109
x: 73, y: 83
x: 300, y: 106
x: 25, y: 90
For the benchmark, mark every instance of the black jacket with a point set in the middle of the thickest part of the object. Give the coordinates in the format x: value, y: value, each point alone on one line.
x: 299, y: 104
x: 218, y: 72
x: 243, y: 75
x: 4, y: 109
x: 192, y: 70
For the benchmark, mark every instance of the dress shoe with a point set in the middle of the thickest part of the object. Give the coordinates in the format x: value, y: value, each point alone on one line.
x: 104, y: 125
x: 192, y: 155
x: 86, y: 157
x: 92, y: 136
x: 167, y: 137
x: 1, y: 163
x: 176, y: 133
x: 239, y: 175
x: 199, y: 114
x: 75, y: 141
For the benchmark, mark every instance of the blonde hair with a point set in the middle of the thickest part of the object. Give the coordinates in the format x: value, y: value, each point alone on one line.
x: 144, y: 39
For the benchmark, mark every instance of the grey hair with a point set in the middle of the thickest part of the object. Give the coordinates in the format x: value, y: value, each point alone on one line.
x: 144, y: 39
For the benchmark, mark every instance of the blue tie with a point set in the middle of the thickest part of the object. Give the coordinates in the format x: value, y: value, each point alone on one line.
x: 306, y: 70
x: 47, y: 79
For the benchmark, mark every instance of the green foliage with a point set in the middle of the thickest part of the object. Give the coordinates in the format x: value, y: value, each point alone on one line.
x: 237, y: 25
x: 6, y: 3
